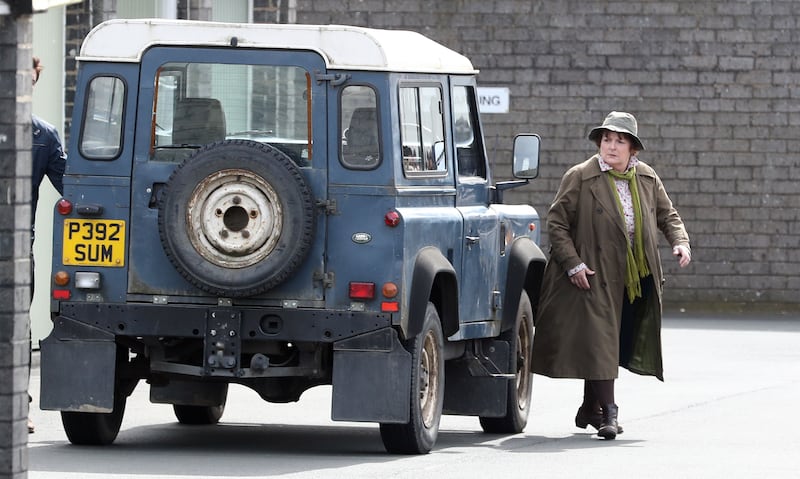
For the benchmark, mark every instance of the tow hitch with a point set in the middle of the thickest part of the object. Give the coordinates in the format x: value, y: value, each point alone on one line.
x: 222, y: 345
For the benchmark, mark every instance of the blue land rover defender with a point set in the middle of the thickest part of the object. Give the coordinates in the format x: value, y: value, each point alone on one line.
x: 281, y: 207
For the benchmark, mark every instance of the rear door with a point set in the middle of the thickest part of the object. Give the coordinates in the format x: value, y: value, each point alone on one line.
x: 265, y: 96
x: 93, y: 237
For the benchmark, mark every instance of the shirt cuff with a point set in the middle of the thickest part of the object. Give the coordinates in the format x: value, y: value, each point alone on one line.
x: 576, y: 269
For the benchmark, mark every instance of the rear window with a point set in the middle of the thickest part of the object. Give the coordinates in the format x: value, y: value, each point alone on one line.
x: 101, y: 132
x: 200, y: 103
x: 360, y: 146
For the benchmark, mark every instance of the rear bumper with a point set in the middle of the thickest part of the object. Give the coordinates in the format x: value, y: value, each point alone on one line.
x: 192, y: 321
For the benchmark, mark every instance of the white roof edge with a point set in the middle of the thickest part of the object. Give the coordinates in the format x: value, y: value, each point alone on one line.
x: 341, y: 46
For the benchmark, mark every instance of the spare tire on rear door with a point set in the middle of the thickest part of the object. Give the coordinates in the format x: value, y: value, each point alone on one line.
x: 236, y: 218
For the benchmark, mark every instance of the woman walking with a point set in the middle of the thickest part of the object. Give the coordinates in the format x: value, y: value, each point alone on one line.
x: 600, y: 305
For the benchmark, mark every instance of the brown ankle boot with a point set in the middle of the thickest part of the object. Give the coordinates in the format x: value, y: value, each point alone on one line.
x: 609, y: 428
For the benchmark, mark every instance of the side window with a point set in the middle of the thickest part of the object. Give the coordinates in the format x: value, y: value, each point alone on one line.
x: 422, y: 131
x: 360, y: 145
x: 101, y: 132
x: 469, y: 151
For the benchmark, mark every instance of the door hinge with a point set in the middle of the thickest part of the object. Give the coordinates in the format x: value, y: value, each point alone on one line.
x: 336, y: 79
x: 497, y: 300
x: 326, y: 278
x: 329, y: 206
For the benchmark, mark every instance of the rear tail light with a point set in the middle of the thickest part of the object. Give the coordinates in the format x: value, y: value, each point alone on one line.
x: 61, y: 294
x: 359, y: 290
x: 61, y: 278
x: 390, y: 306
x: 392, y: 218
x: 389, y: 290
x: 64, y: 207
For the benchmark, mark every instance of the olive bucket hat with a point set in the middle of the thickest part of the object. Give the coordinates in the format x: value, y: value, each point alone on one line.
x: 620, y: 122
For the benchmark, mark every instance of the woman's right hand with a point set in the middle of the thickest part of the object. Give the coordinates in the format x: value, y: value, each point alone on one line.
x: 581, y: 278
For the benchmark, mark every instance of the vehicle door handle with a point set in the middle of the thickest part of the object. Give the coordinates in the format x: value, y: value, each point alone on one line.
x: 473, y: 239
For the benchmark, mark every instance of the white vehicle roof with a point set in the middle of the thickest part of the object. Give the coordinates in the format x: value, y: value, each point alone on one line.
x: 342, y: 46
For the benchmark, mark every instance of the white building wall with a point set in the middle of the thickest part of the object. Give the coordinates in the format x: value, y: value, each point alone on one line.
x: 48, y: 103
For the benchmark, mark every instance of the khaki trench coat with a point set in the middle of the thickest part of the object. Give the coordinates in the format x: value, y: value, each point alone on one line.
x: 577, y: 331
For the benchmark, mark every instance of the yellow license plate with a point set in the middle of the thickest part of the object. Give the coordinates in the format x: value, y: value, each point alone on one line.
x: 94, y: 242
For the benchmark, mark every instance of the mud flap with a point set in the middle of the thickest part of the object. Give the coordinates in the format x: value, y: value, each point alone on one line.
x: 371, y: 378
x: 470, y: 395
x: 78, y: 365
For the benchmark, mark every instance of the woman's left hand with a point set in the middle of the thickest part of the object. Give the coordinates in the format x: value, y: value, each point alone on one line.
x: 683, y: 254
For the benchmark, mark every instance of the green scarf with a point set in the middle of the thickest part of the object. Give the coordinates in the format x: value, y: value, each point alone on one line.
x: 637, y: 262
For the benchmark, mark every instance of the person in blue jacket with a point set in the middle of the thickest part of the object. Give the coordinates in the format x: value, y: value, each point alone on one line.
x: 48, y: 159
x: 48, y: 154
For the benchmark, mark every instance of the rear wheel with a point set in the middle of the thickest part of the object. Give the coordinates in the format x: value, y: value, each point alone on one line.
x: 427, y: 391
x: 100, y: 429
x: 518, y: 396
x: 199, y: 415
x: 94, y: 429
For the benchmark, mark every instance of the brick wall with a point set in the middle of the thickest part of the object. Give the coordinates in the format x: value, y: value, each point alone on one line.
x: 80, y: 18
x: 15, y: 179
x: 715, y: 85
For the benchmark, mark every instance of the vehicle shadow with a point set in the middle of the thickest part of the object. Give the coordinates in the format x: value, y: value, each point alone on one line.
x: 243, y: 450
x: 258, y: 450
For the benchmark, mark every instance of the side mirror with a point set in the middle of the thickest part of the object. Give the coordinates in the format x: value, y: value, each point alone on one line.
x: 526, y: 156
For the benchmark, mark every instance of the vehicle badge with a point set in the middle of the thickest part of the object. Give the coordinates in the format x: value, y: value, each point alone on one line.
x: 362, y: 238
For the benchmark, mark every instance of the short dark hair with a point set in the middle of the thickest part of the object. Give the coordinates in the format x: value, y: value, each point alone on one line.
x: 627, y: 136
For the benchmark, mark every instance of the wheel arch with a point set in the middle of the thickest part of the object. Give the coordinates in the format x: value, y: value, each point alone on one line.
x: 525, y: 271
x: 433, y: 279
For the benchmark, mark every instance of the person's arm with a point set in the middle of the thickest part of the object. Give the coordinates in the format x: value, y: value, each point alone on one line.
x: 560, y: 220
x: 671, y: 224
x: 56, y: 163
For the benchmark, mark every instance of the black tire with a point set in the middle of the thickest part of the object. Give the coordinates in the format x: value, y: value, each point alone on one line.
x: 427, y: 392
x: 199, y: 415
x: 94, y: 429
x: 236, y: 218
x: 518, y: 396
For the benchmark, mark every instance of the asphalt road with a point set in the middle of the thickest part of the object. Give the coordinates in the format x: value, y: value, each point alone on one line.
x: 729, y: 408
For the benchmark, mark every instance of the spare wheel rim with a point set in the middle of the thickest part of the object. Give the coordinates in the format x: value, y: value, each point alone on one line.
x: 234, y: 218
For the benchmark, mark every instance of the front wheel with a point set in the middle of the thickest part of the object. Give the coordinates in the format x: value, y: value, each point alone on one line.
x: 419, y: 434
x: 518, y: 396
